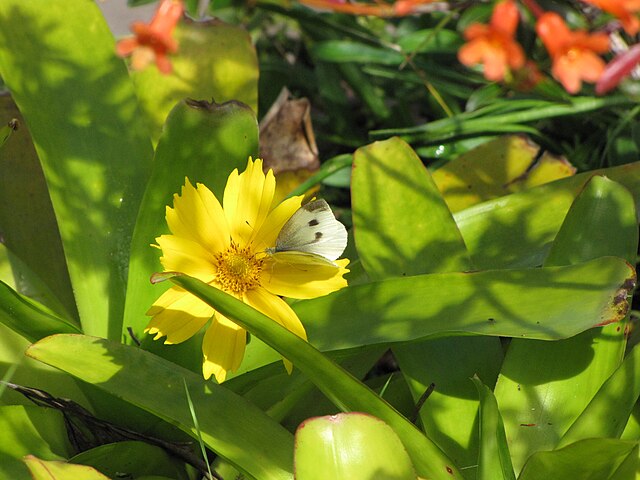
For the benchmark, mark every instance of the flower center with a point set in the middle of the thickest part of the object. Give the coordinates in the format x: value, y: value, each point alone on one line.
x: 573, y: 54
x: 238, y: 269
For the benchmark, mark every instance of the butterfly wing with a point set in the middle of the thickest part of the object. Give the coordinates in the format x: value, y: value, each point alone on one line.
x: 300, y: 260
x: 313, y: 229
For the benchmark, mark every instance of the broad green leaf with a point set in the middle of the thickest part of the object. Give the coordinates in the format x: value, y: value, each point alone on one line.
x: 137, y: 459
x: 496, y: 168
x: 29, y: 284
x: 338, y: 385
x: 602, y: 208
x: 417, y: 235
x: 517, y: 230
x: 29, y: 318
x: 81, y: 110
x: 16, y: 368
x: 632, y: 428
x: 539, y: 380
x: 205, y: 143
x: 537, y: 303
x: 350, y: 445
x: 494, y: 461
x: 449, y: 415
x: 592, y: 459
x: 29, y: 430
x: 22, y: 370
x: 6, y: 271
x: 402, y: 226
x: 215, y: 61
x: 57, y: 470
x: 548, y: 168
x: 629, y: 469
x: 28, y: 224
x: 231, y: 426
x: 609, y: 410
x: 36, y: 322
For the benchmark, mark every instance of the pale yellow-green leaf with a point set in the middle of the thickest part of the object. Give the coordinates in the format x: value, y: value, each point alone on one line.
x: 56, y: 470
x: 214, y: 61
x: 353, y: 446
x: 502, y: 166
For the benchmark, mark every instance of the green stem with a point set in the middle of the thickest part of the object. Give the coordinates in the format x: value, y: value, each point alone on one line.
x: 330, y: 167
x: 344, y: 390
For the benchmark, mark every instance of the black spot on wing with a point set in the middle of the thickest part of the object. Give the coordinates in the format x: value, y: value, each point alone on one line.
x: 318, y: 236
x: 313, y: 223
x: 316, y: 205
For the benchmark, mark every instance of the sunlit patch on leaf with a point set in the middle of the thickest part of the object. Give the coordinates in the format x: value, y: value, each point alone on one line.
x: 502, y: 166
x: 215, y: 61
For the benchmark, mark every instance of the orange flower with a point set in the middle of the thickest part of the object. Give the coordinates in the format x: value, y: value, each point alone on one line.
x: 493, y: 45
x: 625, y: 10
x: 153, y: 41
x: 574, y: 53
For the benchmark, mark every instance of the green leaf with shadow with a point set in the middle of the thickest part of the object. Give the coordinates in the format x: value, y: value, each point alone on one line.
x: 230, y: 425
x: 80, y: 106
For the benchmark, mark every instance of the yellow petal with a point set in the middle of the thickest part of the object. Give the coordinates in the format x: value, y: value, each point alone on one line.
x: 178, y: 315
x: 275, y: 308
x: 230, y: 197
x: 268, y: 233
x: 247, y: 201
x: 268, y: 190
x: 300, y: 278
x: 197, y: 215
x: 186, y: 256
x: 223, y: 348
x: 167, y: 299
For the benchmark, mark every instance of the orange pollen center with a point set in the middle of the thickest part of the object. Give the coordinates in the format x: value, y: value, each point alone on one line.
x: 573, y: 53
x: 238, y: 269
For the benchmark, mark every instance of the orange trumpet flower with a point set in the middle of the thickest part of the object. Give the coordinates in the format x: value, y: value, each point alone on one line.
x: 153, y: 41
x: 493, y: 45
x: 574, y: 53
x: 625, y: 10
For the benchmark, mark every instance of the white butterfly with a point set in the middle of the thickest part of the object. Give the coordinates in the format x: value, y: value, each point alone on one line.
x: 311, y: 235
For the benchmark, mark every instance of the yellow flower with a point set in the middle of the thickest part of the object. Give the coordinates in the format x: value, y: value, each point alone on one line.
x: 227, y: 248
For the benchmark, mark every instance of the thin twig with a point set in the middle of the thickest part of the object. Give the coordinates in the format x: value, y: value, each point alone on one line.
x: 81, y: 424
x: 423, y: 398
